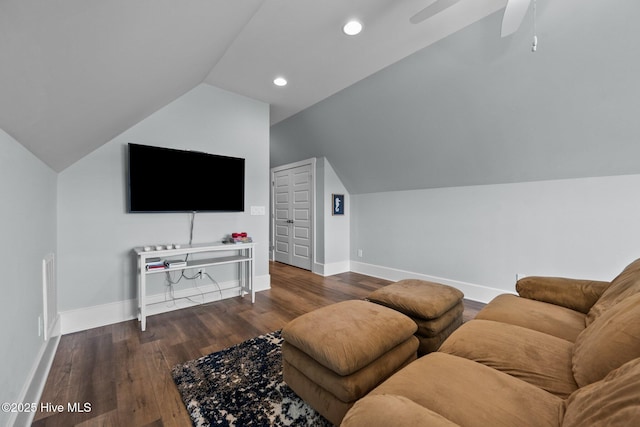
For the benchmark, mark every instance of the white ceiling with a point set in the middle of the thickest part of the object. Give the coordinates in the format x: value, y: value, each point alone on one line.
x: 76, y: 73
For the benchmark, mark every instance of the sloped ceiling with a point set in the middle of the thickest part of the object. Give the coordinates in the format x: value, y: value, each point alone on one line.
x: 302, y: 40
x: 76, y: 73
x: 474, y: 108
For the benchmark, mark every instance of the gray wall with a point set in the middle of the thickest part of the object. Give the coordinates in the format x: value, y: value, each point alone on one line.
x: 332, y: 232
x: 336, y: 227
x: 28, y: 230
x: 96, y: 235
x: 480, y: 237
x: 479, y: 109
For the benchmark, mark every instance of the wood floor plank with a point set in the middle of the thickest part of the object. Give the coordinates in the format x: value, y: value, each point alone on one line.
x: 108, y: 419
x: 168, y: 400
x: 59, y: 374
x: 85, y: 385
x: 134, y: 394
x: 125, y: 374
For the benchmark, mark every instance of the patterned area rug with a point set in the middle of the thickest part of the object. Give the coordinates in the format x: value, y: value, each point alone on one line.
x: 243, y: 386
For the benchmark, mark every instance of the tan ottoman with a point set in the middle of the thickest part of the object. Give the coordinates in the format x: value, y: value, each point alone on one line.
x: 335, y: 355
x: 436, y: 308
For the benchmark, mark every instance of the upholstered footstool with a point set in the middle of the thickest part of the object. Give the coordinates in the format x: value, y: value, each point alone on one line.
x: 335, y: 355
x: 436, y: 308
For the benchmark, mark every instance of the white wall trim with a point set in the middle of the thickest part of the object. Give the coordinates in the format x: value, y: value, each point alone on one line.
x: 332, y: 268
x: 471, y: 291
x: 32, y: 390
x: 85, y: 318
x: 107, y: 314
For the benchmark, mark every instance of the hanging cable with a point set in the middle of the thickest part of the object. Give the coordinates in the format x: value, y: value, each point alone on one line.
x: 534, y: 45
x: 193, y: 218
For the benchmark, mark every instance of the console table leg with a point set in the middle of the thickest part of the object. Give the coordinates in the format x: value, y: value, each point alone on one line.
x: 142, y: 300
x: 252, y: 275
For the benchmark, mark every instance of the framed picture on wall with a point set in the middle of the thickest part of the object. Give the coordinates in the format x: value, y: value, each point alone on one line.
x: 338, y: 204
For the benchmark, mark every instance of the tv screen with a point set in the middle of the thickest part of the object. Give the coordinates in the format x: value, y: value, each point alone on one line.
x: 170, y: 180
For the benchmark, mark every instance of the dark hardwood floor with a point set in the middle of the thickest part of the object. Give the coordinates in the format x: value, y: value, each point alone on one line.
x: 124, y: 374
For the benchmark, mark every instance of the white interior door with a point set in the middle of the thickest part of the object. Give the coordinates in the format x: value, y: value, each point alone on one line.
x: 292, y: 216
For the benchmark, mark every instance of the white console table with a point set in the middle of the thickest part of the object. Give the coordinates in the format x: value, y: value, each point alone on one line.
x: 243, y: 256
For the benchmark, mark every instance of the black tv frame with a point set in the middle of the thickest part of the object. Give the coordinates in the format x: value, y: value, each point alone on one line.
x: 161, y: 179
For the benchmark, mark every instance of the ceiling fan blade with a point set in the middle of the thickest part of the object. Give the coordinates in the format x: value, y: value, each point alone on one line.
x: 513, y: 16
x: 433, y: 9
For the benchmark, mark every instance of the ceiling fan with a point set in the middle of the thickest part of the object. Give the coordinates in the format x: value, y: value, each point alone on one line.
x: 513, y: 13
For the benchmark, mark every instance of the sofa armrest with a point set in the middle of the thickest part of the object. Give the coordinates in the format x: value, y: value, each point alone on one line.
x: 575, y: 294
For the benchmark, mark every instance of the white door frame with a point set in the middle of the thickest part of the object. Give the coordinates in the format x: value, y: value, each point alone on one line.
x: 312, y: 163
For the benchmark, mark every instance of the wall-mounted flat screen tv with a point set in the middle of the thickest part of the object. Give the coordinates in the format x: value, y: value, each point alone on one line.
x: 169, y: 180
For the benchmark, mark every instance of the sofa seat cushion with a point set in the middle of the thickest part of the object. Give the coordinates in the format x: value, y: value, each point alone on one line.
x: 471, y: 394
x: 418, y: 298
x: 613, y: 401
x: 540, y: 316
x: 535, y: 357
x: 435, y: 327
x: 321, y: 400
x: 624, y: 285
x: 379, y: 410
x: 433, y: 343
x: 349, y: 388
x: 610, y: 341
x: 349, y: 335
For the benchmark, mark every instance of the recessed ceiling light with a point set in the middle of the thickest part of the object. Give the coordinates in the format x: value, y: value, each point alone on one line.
x: 280, y: 81
x: 352, y: 28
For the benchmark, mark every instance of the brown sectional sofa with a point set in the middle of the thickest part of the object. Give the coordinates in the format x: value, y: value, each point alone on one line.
x: 563, y: 352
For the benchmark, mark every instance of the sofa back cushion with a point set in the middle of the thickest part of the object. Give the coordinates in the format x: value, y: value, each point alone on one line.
x: 625, y: 284
x: 613, y: 401
x: 609, y: 342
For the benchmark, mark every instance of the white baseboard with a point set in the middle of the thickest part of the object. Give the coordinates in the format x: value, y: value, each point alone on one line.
x: 85, y: 318
x: 471, y: 291
x: 332, y: 268
x: 107, y: 314
x: 32, y: 390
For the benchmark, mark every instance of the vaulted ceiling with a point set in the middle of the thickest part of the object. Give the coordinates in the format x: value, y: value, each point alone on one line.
x: 475, y: 108
x: 76, y: 73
